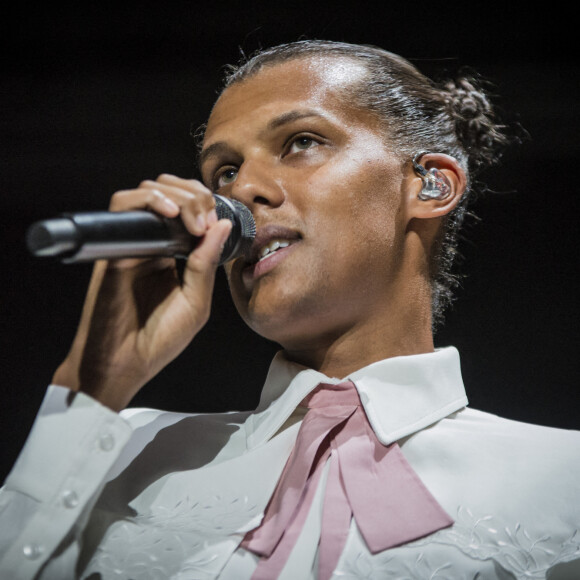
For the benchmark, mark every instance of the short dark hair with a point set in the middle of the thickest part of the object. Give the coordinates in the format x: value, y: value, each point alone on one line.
x: 453, y: 117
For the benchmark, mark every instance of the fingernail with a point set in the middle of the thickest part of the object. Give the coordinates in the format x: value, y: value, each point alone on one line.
x: 170, y: 204
x: 200, y: 223
x: 225, y: 238
x: 212, y: 217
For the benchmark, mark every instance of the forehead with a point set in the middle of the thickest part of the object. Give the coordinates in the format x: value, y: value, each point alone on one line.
x: 315, y: 83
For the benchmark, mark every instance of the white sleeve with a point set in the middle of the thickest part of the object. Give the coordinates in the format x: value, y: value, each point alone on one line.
x: 61, y: 470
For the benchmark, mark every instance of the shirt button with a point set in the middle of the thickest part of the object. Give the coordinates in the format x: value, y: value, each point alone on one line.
x: 70, y: 499
x: 32, y: 551
x: 106, y: 442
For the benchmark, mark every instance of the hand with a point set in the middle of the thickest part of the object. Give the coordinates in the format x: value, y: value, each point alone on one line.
x: 138, y: 315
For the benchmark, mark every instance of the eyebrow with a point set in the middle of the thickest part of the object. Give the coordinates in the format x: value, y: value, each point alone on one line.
x: 213, y: 150
x: 222, y: 147
x: 291, y: 116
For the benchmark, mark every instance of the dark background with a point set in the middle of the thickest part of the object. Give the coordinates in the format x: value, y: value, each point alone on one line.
x: 96, y: 99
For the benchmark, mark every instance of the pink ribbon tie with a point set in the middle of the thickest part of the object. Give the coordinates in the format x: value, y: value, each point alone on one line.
x: 367, y: 480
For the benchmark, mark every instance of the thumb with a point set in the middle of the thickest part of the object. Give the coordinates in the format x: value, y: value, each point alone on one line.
x: 204, y: 260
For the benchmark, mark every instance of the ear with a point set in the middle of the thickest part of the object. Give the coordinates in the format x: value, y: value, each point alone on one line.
x: 433, y: 208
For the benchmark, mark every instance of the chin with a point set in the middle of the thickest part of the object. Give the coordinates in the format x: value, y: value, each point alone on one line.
x: 268, y: 324
x: 296, y: 326
x: 286, y: 310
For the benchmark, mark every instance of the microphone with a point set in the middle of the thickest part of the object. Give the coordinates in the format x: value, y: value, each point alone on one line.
x: 103, y: 235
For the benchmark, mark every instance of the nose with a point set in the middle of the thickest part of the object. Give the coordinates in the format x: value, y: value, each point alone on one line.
x: 256, y: 186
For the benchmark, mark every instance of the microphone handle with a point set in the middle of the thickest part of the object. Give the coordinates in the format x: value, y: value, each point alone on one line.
x: 88, y: 236
x: 96, y: 235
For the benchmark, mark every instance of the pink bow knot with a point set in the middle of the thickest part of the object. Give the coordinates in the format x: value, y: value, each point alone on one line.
x: 367, y: 480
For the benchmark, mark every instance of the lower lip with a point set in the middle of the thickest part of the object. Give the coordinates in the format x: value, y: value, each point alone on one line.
x: 255, y: 271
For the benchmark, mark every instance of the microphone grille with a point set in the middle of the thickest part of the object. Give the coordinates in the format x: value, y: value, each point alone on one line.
x: 243, y: 231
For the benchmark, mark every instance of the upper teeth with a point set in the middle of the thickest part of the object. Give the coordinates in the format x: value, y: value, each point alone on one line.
x: 272, y: 247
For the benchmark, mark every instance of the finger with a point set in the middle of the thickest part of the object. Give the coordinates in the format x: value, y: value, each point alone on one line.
x: 171, y: 196
x: 146, y: 197
x: 196, y: 201
x: 190, y: 185
x: 202, y: 263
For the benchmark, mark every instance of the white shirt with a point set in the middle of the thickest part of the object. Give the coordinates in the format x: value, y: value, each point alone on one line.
x: 149, y: 494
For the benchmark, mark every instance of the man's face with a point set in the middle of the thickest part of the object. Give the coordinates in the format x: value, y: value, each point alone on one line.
x: 321, y: 181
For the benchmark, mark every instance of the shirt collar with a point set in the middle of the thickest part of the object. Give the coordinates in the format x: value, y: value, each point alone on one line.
x: 400, y: 395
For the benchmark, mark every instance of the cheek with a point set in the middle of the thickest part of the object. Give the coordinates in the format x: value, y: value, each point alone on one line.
x: 351, y: 215
x: 363, y: 213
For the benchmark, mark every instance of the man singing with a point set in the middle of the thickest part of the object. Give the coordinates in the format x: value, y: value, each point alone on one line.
x: 362, y: 459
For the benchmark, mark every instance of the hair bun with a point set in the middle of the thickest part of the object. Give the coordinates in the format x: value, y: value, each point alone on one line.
x: 475, y: 125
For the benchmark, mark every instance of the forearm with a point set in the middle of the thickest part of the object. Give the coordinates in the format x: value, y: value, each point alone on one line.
x: 58, y: 476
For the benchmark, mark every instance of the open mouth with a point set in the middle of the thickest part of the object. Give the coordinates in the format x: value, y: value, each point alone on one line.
x: 272, y: 247
x: 269, y: 240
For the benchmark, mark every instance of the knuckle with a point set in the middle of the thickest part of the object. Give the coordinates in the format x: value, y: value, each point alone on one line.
x: 155, y: 194
x: 117, y: 199
x: 206, y: 199
x: 208, y: 196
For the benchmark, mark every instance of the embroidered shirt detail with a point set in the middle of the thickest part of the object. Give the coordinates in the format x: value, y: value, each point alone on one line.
x: 474, y: 548
x: 512, y: 547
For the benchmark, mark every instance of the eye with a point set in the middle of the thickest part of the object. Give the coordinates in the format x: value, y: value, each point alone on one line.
x: 225, y: 176
x: 301, y: 143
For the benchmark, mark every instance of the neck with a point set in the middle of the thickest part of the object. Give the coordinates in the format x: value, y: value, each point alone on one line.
x: 338, y: 354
